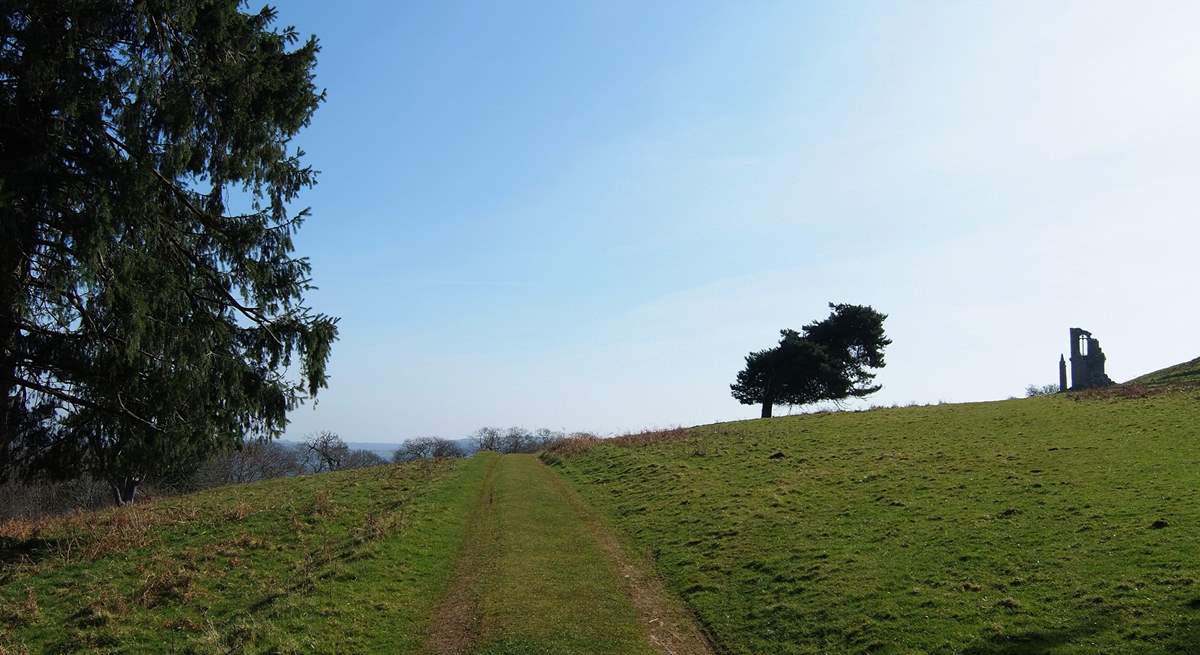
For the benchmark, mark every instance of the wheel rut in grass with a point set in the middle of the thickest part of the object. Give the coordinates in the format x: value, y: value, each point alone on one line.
x: 539, y: 573
x: 455, y: 626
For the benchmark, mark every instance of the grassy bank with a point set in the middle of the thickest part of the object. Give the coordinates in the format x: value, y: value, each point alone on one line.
x: 1032, y: 526
x: 344, y: 562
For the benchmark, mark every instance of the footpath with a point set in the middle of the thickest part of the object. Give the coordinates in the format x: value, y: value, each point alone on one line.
x: 540, y: 574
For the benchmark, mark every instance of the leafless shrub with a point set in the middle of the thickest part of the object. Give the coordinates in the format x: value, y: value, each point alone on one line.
x: 29, y: 500
x: 358, y: 459
x: 256, y: 460
x: 426, y: 448
x: 1035, y: 390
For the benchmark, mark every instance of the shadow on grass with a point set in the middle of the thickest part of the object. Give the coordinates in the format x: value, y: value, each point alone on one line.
x: 1185, y: 637
x: 14, y: 551
x: 1033, y: 642
x: 519, y: 646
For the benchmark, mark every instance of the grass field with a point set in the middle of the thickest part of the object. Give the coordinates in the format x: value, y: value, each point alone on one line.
x: 492, y: 555
x: 1055, y: 525
x: 1047, y: 525
x: 344, y: 562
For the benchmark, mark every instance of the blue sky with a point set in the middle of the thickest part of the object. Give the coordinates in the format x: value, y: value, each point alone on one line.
x: 583, y: 215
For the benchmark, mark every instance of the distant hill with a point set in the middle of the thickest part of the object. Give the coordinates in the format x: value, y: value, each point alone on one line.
x: 1185, y: 373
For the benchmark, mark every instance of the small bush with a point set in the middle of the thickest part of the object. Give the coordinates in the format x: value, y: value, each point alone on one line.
x: 1035, y: 390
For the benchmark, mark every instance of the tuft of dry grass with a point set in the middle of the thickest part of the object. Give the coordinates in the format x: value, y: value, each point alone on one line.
x: 13, y: 649
x: 164, y: 583
x: 320, y: 505
x: 88, y: 536
x: 22, y: 613
x: 238, y: 512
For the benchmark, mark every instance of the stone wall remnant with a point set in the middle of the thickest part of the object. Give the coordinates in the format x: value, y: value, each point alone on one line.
x: 1087, y: 363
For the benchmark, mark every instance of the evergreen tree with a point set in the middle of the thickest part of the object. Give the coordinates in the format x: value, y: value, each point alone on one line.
x: 151, y: 310
x: 829, y: 359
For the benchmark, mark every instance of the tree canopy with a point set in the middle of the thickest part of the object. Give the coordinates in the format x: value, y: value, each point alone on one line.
x: 830, y: 359
x: 151, y: 309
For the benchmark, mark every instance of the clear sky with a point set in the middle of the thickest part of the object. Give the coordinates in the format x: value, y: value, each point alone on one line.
x: 583, y: 215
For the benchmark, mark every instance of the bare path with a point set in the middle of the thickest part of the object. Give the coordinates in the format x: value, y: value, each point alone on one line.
x: 539, y: 573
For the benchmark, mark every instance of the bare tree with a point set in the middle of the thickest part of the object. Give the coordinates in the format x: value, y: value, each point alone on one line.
x: 324, y: 451
x: 545, y: 438
x: 489, y: 439
x: 256, y: 460
x: 426, y: 448
x: 444, y: 448
x: 358, y: 459
x: 516, y: 440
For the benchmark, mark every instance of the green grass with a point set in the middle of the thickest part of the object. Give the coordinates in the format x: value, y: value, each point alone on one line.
x: 1187, y: 373
x: 343, y: 562
x: 548, y: 588
x: 1060, y: 525
x: 1048, y: 525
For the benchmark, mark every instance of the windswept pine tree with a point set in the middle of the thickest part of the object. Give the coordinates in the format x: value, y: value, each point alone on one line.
x: 830, y: 359
x: 151, y: 309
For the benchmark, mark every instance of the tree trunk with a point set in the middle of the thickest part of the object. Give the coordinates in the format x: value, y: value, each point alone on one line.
x: 125, y: 490
x: 16, y: 239
x: 768, y: 405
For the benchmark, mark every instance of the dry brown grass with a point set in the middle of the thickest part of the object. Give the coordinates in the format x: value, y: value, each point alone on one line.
x: 320, y: 505
x: 375, y: 526
x: 1133, y: 391
x: 89, y: 536
x: 22, y: 613
x: 166, y: 580
x: 578, y: 444
x: 238, y: 512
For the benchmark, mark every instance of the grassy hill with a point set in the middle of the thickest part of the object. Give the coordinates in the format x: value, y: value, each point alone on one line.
x: 351, y: 561
x: 1048, y: 525
x: 1187, y: 373
x: 1065, y: 524
x: 491, y: 555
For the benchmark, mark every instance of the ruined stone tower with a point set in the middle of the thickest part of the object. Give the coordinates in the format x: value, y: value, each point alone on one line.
x: 1087, y: 363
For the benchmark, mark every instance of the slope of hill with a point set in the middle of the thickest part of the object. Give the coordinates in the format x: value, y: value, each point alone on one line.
x: 351, y: 561
x: 491, y: 555
x: 1048, y: 525
x: 1187, y: 373
x: 1064, y: 524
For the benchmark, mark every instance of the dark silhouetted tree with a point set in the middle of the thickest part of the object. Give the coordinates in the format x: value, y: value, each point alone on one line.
x: 150, y: 305
x: 831, y: 359
x: 324, y: 451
